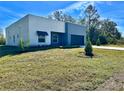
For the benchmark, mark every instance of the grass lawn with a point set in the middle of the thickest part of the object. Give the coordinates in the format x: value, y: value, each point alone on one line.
x: 58, y: 69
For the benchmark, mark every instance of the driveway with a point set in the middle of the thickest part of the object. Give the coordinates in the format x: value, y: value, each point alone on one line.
x: 107, y: 47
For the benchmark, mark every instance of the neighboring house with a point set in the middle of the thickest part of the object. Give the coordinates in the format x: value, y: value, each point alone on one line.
x: 38, y: 31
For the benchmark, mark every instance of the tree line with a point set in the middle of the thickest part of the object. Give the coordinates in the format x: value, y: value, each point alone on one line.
x: 2, y: 38
x: 99, y: 31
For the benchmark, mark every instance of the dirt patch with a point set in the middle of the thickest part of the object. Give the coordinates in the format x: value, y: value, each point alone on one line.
x: 82, y: 55
x: 115, y: 83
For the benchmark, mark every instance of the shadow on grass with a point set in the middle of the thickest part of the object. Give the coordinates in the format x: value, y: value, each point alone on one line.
x: 12, y: 50
x: 82, y: 55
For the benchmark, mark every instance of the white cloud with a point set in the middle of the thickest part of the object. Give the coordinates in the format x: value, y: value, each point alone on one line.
x: 76, y: 6
x: 79, y: 6
x: 4, y: 9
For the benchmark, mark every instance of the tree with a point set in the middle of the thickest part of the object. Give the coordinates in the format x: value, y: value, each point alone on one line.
x: 98, y: 42
x: 109, y: 29
x: 92, y: 17
x: 81, y: 21
x: 105, y: 29
x: 103, y: 39
x: 88, y: 48
x: 118, y: 35
x: 2, y: 40
x: 68, y: 18
x: 92, y: 21
x: 93, y: 34
x: 60, y: 16
x: 57, y: 15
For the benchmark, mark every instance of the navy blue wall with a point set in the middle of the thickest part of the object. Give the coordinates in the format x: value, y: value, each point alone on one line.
x: 73, y: 35
x: 77, y: 40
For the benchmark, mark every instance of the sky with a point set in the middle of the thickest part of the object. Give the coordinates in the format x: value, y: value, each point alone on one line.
x: 11, y: 11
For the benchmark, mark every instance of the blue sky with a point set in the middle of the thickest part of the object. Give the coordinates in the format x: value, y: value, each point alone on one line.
x: 10, y: 11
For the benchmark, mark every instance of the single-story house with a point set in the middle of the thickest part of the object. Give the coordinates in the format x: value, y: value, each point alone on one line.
x: 38, y: 31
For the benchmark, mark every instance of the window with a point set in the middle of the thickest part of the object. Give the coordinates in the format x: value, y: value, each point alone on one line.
x: 14, y: 38
x: 41, y: 38
x: 55, y: 38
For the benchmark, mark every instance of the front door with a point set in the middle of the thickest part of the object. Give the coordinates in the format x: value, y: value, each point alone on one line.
x: 56, y: 39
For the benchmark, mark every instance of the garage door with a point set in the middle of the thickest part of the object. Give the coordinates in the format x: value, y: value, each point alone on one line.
x: 77, y: 40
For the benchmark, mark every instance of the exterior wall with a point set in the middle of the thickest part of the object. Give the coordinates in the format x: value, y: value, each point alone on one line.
x: 27, y: 27
x: 18, y: 29
x: 74, y: 29
x: 37, y: 23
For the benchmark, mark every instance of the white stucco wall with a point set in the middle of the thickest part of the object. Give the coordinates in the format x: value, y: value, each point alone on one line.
x: 27, y: 27
x: 19, y: 28
x: 37, y: 23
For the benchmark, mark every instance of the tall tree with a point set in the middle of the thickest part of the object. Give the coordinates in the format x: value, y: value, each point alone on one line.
x: 57, y: 15
x: 109, y: 29
x: 81, y: 21
x: 2, y: 38
x: 92, y: 17
x: 68, y: 18
x: 60, y: 16
x: 92, y: 22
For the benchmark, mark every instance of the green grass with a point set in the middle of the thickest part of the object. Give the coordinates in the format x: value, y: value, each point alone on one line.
x: 58, y: 69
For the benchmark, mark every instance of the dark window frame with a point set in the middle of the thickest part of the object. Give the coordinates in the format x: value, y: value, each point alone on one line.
x: 41, y: 39
x: 55, y: 38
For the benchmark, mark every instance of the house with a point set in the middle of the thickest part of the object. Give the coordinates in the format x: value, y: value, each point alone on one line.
x: 38, y: 31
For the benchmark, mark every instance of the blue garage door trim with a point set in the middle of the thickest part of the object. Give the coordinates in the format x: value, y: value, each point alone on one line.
x: 77, y: 40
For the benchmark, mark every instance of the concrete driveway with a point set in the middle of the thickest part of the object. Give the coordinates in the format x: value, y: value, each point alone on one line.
x: 111, y: 48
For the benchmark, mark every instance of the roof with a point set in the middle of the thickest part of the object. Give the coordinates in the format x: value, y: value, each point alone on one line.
x: 44, y: 18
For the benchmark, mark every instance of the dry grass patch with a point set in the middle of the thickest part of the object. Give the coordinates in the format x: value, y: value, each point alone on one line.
x: 59, y: 69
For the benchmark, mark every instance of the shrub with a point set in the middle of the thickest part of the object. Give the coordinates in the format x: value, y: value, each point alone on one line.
x: 21, y: 45
x: 27, y: 43
x: 88, y: 48
x: 2, y: 40
x: 103, y: 39
x: 98, y: 42
x: 112, y: 40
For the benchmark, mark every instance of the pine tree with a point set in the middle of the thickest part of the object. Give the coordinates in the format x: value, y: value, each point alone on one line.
x: 88, y: 48
x: 98, y: 42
